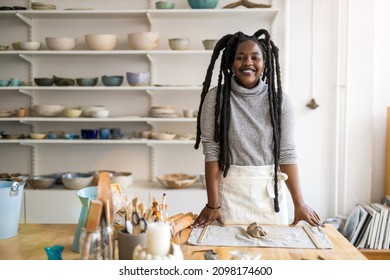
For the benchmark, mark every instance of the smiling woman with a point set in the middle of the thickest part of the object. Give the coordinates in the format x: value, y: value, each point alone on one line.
x: 246, y: 127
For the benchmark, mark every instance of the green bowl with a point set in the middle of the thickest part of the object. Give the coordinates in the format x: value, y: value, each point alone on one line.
x: 3, y: 47
x: 165, y: 5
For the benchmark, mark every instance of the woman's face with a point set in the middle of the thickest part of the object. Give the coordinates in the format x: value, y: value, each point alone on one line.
x: 248, y: 64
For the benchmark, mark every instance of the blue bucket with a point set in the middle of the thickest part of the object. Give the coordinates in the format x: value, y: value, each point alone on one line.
x: 11, y: 194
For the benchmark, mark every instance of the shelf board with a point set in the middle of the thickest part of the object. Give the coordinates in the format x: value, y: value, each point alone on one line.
x: 99, y: 141
x: 267, y: 13
x: 153, y: 13
x: 103, y: 88
x: 101, y: 53
x: 110, y: 119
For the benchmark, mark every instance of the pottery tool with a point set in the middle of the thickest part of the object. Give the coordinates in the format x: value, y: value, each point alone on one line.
x: 182, y: 223
x: 104, y: 194
x: 311, y: 236
x: 91, y: 225
x: 203, y: 234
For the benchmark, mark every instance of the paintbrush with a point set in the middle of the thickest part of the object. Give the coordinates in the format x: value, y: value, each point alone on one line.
x: 91, y: 225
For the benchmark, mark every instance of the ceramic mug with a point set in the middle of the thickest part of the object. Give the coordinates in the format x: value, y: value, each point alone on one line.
x: 127, y: 242
x: 115, y: 132
x: 104, y: 133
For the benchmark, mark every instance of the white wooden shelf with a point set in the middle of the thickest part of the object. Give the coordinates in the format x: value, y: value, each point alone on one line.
x: 113, y: 52
x: 102, y: 141
x: 101, y: 88
x: 112, y: 119
x: 268, y: 13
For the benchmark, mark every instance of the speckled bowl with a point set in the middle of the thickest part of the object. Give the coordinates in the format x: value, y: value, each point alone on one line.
x: 76, y: 181
x: 41, y: 182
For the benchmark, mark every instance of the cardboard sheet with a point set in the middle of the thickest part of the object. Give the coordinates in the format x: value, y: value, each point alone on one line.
x: 276, y: 236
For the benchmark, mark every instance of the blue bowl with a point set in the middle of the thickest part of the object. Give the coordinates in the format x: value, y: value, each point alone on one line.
x: 4, y: 83
x: 112, y: 81
x: 87, y: 82
x: 203, y: 4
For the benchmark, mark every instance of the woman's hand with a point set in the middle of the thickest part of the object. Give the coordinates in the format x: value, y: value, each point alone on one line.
x: 305, y: 213
x: 206, y: 217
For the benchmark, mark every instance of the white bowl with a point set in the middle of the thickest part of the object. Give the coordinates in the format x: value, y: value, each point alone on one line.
x: 101, y: 42
x: 124, y: 179
x: 30, y: 45
x: 148, y: 40
x: 48, y: 110
x: 179, y: 43
x: 100, y: 113
x: 87, y: 110
x: 61, y: 43
x: 37, y: 135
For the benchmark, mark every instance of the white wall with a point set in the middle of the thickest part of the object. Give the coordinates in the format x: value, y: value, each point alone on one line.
x: 341, y: 143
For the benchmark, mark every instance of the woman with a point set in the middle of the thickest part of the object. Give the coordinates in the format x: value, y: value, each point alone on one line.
x: 245, y: 124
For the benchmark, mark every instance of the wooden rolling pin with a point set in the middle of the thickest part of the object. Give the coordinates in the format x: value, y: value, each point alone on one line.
x: 183, y: 222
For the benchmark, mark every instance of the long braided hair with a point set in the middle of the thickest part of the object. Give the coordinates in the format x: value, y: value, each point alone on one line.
x: 228, y: 45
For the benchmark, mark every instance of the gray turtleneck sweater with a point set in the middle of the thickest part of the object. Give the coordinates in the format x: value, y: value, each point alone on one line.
x: 250, y: 132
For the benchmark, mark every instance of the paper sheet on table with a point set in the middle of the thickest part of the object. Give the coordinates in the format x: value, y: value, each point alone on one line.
x: 276, y: 237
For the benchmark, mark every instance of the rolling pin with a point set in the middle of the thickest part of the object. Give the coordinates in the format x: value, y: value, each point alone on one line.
x: 182, y: 223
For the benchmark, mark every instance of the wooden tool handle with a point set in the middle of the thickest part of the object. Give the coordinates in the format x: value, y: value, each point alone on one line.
x: 182, y: 223
x: 92, y: 224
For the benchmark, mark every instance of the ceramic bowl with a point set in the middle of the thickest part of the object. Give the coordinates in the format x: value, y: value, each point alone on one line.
x: 16, y: 46
x: 87, y: 110
x: 103, y: 113
x: 202, y: 179
x: 112, y: 81
x: 37, y: 135
x: 165, y: 5
x: 203, y: 4
x: 179, y: 43
x: 4, y: 47
x: 209, y: 44
x: 148, y: 40
x: 124, y: 179
x: 4, y: 83
x: 41, y: 182
x: 30, y: 45
x: 72, y: 112
x: 63, y: 82
x: 163, y: 135
x: 76, y: 181
x: 87, y: 82
x: 61, y: 43
x: 96, y: 174
x: 44, y: 82
x: 101, y: 42
x: 138, y: 78
x: 48, y: 110
x: 177, y: 180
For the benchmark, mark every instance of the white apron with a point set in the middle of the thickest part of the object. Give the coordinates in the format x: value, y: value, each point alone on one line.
x: 247, y: 196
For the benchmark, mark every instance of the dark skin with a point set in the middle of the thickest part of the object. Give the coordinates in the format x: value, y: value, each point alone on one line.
x: 248, y: 66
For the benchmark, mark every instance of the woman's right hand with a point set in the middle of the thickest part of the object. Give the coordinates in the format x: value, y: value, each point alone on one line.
x: 206, y: 217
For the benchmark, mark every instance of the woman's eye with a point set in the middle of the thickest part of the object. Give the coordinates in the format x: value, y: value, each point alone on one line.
x: 240, y: 58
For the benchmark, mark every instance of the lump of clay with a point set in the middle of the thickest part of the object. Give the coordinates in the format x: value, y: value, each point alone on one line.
x: 255, y: 230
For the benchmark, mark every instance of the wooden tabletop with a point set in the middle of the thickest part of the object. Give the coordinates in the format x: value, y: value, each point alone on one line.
x: 31, y: 240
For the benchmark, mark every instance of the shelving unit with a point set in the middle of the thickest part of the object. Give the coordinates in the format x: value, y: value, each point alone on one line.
x: 174, y: 74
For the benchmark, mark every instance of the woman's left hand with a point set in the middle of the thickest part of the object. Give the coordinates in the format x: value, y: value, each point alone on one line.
x: 305, y: 213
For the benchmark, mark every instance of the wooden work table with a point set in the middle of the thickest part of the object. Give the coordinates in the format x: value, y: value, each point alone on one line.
x: 32, y: 238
